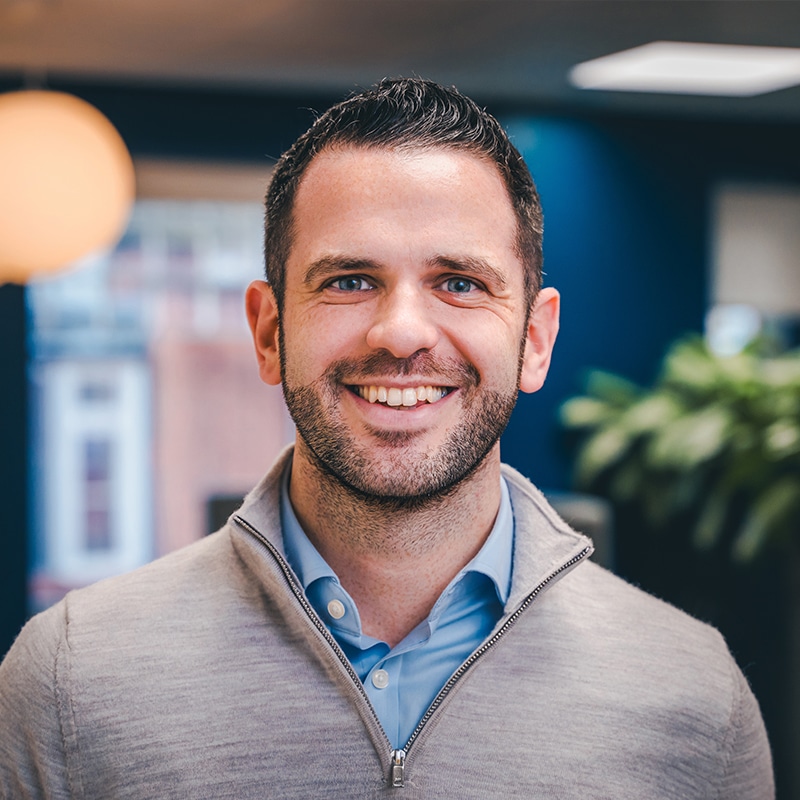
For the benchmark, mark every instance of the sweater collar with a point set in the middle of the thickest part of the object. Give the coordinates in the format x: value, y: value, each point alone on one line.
x: 543, y: 543
x: 494, y: 559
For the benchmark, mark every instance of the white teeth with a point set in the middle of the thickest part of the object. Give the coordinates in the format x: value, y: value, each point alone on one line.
x: 409, y: 397
x: 393, y: 396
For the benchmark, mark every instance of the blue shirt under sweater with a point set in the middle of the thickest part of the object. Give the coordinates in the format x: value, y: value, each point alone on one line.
x: 403, y: 681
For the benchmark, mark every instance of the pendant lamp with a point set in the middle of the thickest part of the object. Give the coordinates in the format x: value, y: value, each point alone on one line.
x: 66, y: 183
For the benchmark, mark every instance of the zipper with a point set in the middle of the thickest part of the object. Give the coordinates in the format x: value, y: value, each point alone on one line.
x: 481, y: 651
x: 398, y: 768
x: 397, y: 757
x: 316, y: 621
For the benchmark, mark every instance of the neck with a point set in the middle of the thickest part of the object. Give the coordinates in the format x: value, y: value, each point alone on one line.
x: 394, y: 559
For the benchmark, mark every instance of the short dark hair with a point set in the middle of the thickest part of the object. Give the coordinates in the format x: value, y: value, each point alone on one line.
x: 404, y: 113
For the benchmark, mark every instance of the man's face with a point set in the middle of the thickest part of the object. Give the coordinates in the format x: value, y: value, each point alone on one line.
x: 404, y: 323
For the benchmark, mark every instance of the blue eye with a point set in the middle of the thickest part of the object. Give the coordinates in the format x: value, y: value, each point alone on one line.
x: 459, y: 285
x: 351, y: 283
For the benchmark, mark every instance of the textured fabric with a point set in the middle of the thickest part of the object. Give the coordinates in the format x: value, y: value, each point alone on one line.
x: 410, y: 675
x: 207, y: 675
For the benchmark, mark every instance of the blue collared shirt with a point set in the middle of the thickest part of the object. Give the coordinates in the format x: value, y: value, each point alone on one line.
x: 402, y: 682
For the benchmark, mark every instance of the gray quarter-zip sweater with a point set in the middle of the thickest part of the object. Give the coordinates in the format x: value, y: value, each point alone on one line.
x: 207, y: 675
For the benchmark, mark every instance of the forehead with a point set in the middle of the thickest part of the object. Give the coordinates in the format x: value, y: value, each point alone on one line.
x: 349, y: 168
x: 420, y: 199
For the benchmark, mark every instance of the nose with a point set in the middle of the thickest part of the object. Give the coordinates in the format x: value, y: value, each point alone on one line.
x: 403, y: 323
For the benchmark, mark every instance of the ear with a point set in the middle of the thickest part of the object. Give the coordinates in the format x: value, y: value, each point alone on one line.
x: 540, y: 339
x: 262, y: 316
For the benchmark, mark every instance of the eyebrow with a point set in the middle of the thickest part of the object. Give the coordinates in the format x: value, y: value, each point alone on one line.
x: 328, y: 266
x: 477, y: 267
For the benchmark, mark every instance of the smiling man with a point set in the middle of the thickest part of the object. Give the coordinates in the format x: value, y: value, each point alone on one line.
x: 392, y: 610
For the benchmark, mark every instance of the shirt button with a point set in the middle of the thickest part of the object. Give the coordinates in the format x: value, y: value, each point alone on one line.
x: 336, y: 609
x: 380, y: 679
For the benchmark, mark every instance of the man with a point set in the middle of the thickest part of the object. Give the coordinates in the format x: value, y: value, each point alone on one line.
x: 391, y: 611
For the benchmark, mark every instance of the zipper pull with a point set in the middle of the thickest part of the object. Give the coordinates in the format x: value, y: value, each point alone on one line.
x: 398, y: 768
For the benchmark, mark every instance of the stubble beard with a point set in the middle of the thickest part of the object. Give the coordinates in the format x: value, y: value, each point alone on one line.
x: 388, y: 472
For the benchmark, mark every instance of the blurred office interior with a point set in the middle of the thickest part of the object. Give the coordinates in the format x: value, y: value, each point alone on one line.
x: 131, y: 414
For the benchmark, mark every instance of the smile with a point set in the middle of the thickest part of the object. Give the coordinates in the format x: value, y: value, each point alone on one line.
x: 393, y: 396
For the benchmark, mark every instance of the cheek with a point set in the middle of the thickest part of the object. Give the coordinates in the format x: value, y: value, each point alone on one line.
x: 342, y: 324
x: 312, y: 342
x: 494, y: 349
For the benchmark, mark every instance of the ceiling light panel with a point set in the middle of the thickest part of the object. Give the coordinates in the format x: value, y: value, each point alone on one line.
x: 690, y: 68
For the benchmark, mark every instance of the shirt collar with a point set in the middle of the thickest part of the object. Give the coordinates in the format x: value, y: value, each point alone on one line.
x: 494, y: 559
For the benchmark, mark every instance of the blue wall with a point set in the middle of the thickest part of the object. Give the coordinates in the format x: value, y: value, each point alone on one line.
x: 624, y: 244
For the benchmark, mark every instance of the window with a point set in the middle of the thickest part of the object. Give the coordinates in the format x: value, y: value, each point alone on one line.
x: 147, y: 401
x: 97, y: 500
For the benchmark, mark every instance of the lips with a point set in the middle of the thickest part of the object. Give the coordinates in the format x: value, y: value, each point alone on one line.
x: 401, y: 396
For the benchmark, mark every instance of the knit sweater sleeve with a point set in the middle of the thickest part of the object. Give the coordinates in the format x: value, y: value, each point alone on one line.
x: 34, y: 713
x: 748, y: 773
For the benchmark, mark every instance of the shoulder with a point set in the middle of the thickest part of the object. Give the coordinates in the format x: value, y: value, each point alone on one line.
x: 197, y: 586
x: 100, y: 622
x: 189, y: 577
x: 599, y: 598
x: 191, y: 595
x: 634, y: 657
x: 32, y: 730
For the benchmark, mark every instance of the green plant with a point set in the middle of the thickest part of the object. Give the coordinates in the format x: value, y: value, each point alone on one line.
x: 716, y: 440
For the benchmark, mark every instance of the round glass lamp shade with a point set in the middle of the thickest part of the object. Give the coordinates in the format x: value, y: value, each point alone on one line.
x: 66, y: 182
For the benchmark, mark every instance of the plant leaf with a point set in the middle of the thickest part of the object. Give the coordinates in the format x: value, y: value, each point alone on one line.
x: 689, y: 365
x: 782, y: 372
x: 585, y: 412
x: 601, y: 451
x: 782, y: 439
x: 612, y: 388
x: 710, y: 524
x: 773, y: 509
x: 691, y: 439
x: 651, y: 413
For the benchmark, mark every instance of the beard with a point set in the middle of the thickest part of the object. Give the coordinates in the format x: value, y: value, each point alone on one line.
x: 386, y: 469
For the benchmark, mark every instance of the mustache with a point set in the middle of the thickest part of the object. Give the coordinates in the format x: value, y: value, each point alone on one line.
x: 423, y: 364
